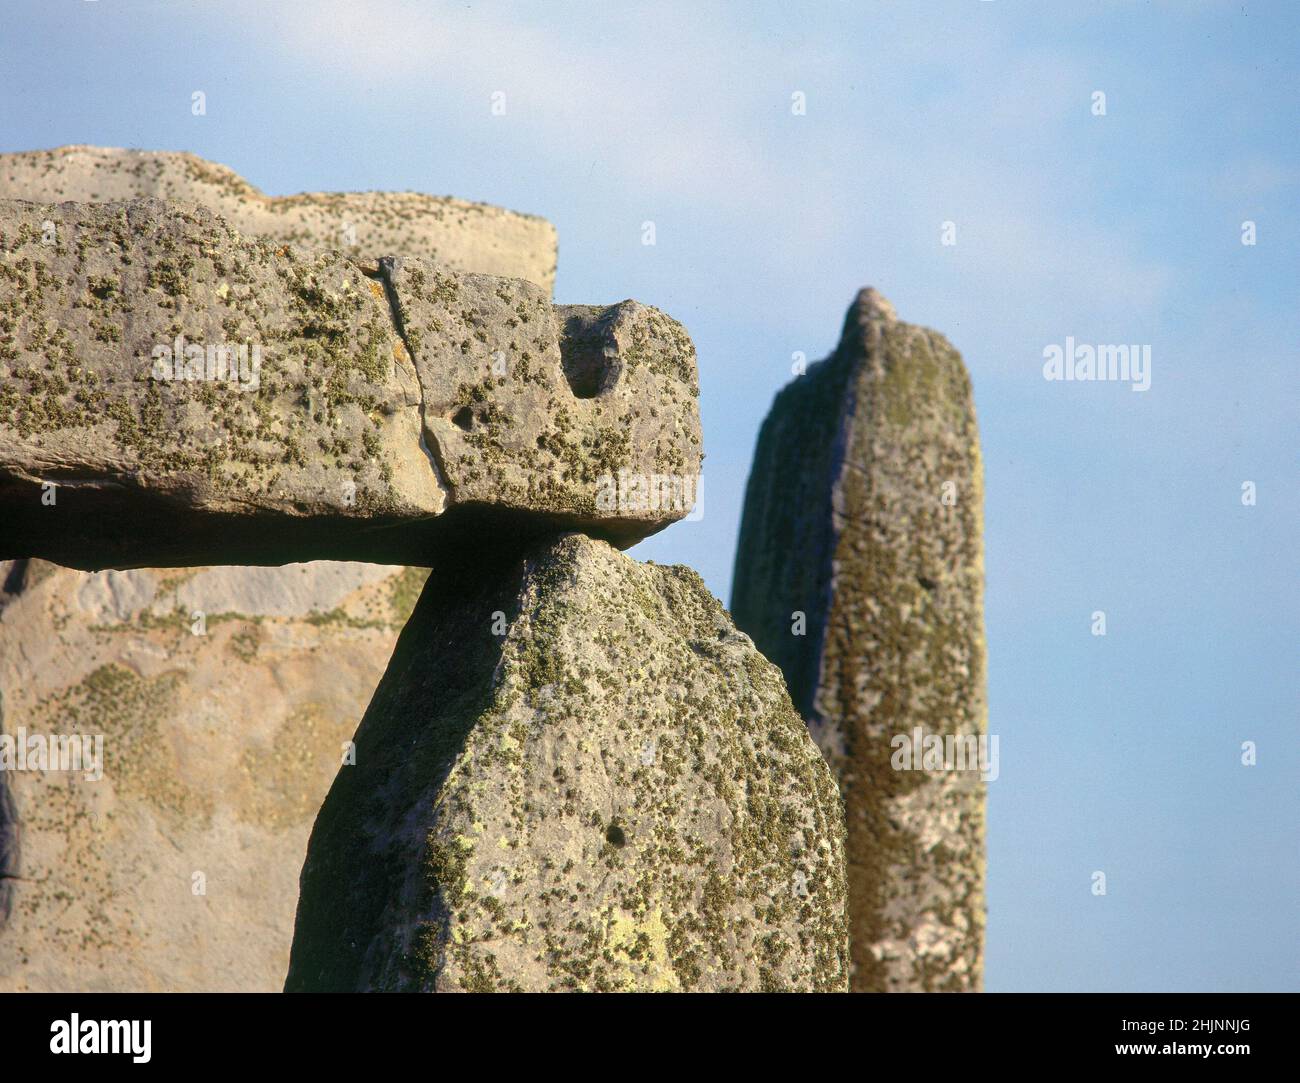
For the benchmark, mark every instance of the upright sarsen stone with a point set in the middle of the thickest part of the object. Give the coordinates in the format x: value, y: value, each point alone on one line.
x: 223, y: 698
x: 860, y: 573
x: 575, y: 775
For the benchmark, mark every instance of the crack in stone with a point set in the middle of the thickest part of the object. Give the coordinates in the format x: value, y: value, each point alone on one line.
x: 384, y: 275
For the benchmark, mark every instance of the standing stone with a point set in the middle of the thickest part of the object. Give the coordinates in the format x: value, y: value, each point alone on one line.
x: 860, y: 573
x: 221, y: 737
x: 576, y: 775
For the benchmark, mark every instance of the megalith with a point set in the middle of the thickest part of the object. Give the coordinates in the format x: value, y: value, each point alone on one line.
x: 224, y: 698
x: 859, y: 571
x: 575, y: 775
x: 244, y: 682
x: 173, y: 393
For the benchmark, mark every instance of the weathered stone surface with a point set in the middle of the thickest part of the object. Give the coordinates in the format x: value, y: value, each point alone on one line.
x: 575, y: 774
x: 400, y: 413
x: 306, y: 672
x: 218, y: 750
x: 460, y: 235
x: 851, y: 521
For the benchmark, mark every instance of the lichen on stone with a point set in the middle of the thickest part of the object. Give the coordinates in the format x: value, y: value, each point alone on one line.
x: 863, y: 513
x: 614, y: 793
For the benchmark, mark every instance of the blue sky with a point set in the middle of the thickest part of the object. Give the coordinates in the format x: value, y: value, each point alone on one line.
x: 1119, y: 753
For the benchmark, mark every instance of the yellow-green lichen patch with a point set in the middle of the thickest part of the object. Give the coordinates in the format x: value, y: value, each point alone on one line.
x: 129, y: 712
x: 283, y: 776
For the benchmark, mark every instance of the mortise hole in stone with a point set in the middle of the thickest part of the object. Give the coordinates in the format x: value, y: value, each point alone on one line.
x: 583, y: 354
x: 614, y: 836
x: 463, y: 418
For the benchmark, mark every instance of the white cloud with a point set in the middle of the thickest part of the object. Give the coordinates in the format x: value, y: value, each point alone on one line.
x: 683, y: 106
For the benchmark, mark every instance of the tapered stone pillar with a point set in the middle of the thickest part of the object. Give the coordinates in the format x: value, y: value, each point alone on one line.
x: 860, y: 573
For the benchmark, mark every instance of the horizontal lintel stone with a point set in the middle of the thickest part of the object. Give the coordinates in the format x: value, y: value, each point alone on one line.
x: 175, y: 393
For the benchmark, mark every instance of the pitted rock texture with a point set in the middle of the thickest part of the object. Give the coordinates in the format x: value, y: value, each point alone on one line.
x: 399, y: 413
x: 293, y: 651
x: 532, y: 405
x: 460, y: 235
x: 221, y: 737
x: 576, y: 775
x: 864, y: 514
